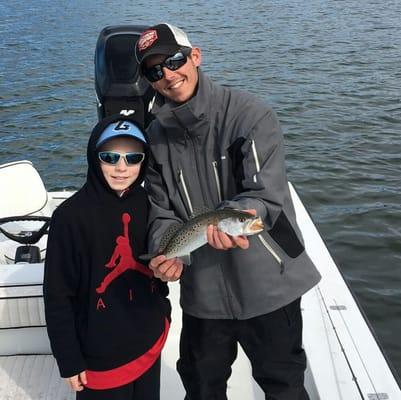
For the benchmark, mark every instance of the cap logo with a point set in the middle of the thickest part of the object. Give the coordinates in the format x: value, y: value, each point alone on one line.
x: 146, y: 39
x: 122, y: 126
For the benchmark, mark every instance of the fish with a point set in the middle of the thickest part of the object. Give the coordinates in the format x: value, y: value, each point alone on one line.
x: 182, y: 239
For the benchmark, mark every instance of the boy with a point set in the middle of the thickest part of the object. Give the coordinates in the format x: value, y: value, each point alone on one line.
x: 107, y: 316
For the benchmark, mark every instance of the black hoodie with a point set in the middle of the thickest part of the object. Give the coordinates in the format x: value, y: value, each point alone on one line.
x: 97, y: 321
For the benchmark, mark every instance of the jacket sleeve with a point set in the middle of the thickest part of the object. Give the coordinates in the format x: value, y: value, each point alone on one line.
x: 60, y: 289
x: 261, y: 173
x: 161, y: 214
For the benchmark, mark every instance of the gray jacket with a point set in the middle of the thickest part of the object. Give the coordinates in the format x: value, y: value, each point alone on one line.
x: 224, y: 148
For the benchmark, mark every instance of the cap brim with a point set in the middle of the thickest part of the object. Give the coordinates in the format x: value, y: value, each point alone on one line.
x: 107, y: 139
x: 166, y: 50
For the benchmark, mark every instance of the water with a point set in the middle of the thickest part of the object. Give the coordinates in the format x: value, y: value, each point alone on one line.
x: 329, y: 68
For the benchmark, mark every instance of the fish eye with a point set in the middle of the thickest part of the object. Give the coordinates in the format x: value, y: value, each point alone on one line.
x: 242, y: 219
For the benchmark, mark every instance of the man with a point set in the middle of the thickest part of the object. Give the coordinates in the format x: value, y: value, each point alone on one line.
x: 216, y: 147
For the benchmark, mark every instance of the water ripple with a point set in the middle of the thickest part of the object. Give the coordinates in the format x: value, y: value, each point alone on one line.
x: 329, y: 69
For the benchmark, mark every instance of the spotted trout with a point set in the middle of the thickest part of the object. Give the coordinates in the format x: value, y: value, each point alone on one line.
x: 182, y: 239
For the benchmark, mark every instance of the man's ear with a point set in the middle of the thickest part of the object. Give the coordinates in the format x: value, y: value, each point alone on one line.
x: 196, y: 56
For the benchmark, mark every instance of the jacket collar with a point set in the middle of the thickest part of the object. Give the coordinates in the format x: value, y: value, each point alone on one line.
x: 189, y: 114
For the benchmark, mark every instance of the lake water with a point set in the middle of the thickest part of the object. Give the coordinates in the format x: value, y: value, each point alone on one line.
x: 331, y: 70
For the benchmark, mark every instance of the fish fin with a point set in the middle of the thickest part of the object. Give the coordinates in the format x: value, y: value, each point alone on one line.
x: 186, y: 259
x: 200, y: 210
x: 240, y: 210
x: 146, y: 257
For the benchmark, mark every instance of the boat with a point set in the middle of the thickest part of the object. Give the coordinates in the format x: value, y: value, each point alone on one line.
x: 344, y: 358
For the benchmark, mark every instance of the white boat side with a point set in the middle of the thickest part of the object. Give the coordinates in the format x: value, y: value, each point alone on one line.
x: 344, y: 358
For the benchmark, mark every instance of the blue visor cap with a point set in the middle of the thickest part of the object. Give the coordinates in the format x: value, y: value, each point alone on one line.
x: 121, y: 128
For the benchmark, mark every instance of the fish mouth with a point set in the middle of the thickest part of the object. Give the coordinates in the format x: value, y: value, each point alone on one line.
x: 257, y: 225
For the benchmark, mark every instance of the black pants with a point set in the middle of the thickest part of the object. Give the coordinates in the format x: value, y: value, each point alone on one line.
x: 147, y: 387
x: 272, y: 342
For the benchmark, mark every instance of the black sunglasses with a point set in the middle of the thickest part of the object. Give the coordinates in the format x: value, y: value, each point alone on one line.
x: 113, y: 157
x: 174, y: 62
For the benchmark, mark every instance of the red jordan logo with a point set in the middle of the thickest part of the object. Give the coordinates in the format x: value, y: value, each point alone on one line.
x: 122, y: 259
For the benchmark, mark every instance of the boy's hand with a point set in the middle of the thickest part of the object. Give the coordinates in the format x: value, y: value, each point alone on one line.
x: 221, y: 241
x: 166, y: 270
x: 77, y: 382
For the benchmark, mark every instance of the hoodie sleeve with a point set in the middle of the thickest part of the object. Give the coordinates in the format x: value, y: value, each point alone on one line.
x: 261, y: 173
x: 60, y: 290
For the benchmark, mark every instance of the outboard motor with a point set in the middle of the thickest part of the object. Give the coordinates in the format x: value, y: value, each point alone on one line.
x: 119, y: 86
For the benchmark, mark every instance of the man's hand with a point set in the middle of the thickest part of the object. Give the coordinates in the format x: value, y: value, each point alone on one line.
x: 77, y: 382
x: 221, y: 241
x: 166, y: 270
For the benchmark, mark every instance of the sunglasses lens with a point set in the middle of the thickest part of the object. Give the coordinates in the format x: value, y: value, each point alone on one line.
x: 134, y: 158
x: 109, y: 157
x: 175, y: 62
x: 155, y: 73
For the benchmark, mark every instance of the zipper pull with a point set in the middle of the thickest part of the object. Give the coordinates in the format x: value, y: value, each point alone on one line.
x: 216, y: 176
x: 181, y: 180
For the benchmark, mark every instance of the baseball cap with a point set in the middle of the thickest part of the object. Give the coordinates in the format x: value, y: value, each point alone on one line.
x: 121, y: 128
x: 163, y: 39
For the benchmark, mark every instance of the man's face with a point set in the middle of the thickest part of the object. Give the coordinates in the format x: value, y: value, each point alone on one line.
x: 178, y: 86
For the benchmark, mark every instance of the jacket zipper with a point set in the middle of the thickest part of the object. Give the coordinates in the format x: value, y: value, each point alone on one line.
x: 272, y: 252
x: 217, y: 179
x: 216, y: 176
x: 204, y: 192
x: 182, y: 181
x: 261, y: 238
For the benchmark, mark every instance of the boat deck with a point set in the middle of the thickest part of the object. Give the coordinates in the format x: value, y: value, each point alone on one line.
x: 344, y: 358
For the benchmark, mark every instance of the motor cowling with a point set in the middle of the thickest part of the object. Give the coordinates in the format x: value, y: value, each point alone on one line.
x: 119, y: 86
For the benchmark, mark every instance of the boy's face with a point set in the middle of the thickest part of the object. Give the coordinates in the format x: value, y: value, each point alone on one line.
x: 121, y: 175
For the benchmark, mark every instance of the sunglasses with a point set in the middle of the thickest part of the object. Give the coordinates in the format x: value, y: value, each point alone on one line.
x: 174, y: 62
x: 112, y: 157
